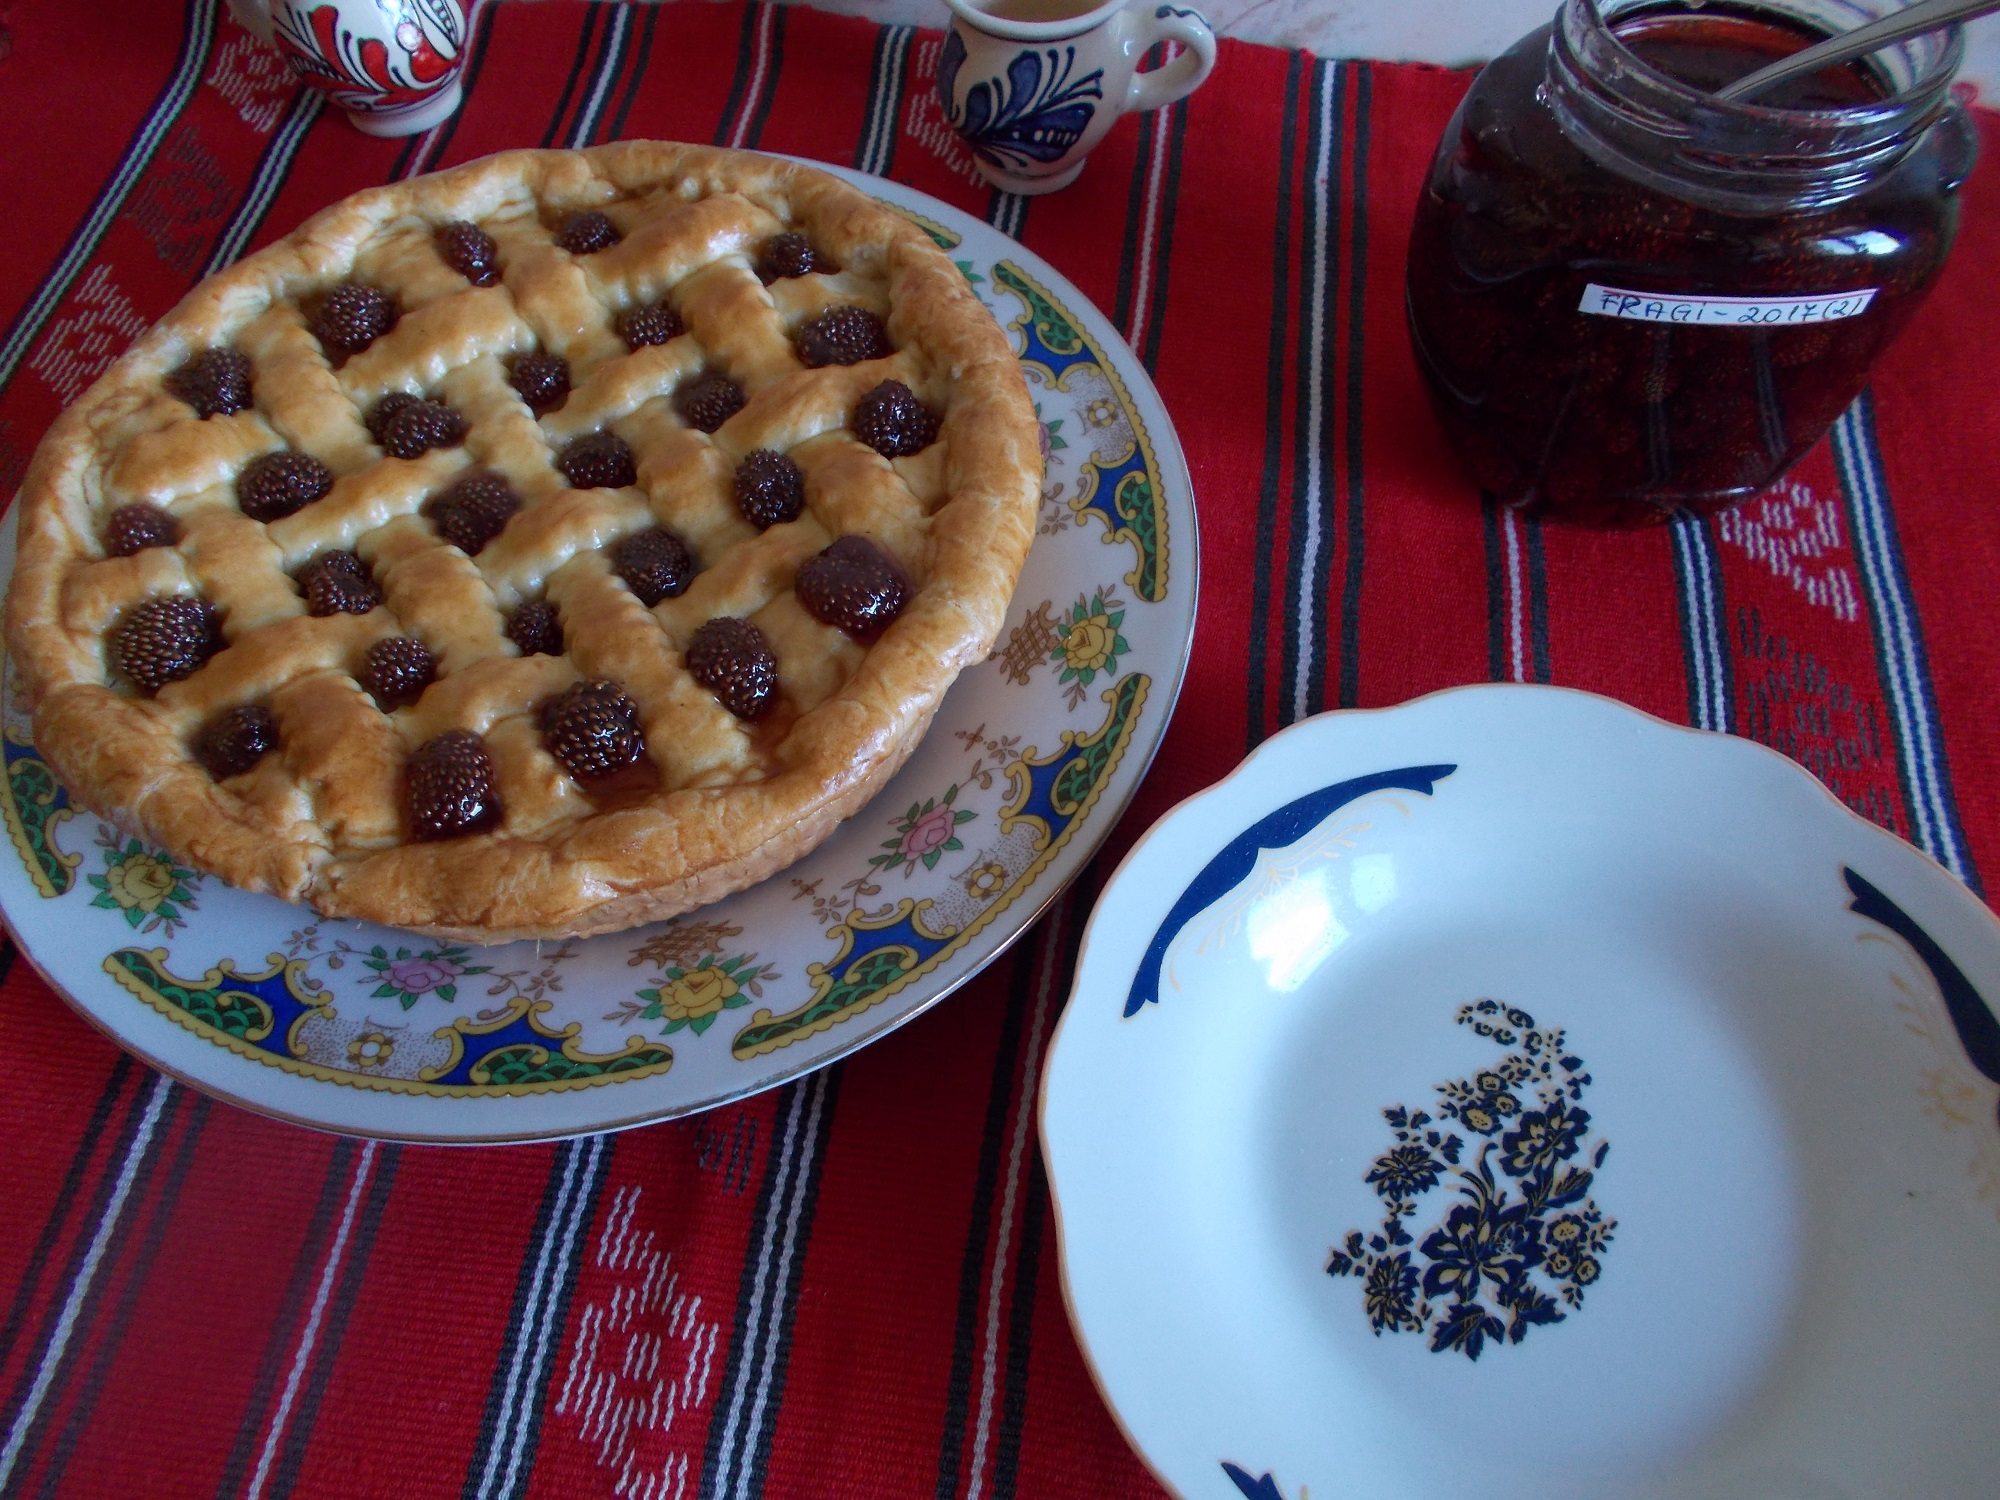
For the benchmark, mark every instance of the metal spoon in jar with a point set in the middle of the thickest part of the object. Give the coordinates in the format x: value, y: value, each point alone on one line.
x: 1925, y: 15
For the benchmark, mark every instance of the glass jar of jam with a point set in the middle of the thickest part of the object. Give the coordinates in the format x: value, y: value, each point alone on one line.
x: 1629, y: 298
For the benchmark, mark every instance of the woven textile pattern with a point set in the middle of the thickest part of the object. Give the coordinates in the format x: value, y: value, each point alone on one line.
x: 849, y: 1286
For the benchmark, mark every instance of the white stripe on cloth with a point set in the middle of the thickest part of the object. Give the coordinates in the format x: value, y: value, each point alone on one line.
x: 1510, y: 528
x: 787, y: 1154
x: 607, y: 73
x: 271, y: 174
x: 79, y: 1289
x: 1911, y: 704
x: 1003, y: 1248
x: 1705, y: 644
x: 1322, y: 190
x: 748, y: 112
x: 815, y: 1089
x: 309, y: 1335
x: 1149, y: 234
x: 194, y: 61
x: 885, y: 95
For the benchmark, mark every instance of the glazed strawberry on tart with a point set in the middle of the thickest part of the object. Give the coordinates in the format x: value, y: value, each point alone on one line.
x: 538, y: 548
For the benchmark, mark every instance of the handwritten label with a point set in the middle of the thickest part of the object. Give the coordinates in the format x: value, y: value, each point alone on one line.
x: 1720, y: 312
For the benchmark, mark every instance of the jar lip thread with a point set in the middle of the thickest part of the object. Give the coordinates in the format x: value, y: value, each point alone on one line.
x: 1741, y: 156
x: 1923, y: 91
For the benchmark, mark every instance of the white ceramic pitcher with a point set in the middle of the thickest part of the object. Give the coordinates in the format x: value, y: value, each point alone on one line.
x: 1031, y: 89
x: 393, y: 65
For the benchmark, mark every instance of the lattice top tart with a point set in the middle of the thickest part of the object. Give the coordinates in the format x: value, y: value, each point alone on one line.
x: 538, y: 548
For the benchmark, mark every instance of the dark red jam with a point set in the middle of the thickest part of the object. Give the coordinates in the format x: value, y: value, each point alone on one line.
x: 1662, y: 396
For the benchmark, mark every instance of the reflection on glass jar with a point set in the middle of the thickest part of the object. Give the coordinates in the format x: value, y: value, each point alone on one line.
x: 1628, y: 298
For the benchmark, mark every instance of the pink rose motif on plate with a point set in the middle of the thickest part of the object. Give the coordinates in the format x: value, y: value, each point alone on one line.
x: 408, y: 976
x: 924, y: 834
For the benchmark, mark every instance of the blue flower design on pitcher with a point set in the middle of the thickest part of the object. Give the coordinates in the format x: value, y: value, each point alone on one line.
x: 1032, y: 116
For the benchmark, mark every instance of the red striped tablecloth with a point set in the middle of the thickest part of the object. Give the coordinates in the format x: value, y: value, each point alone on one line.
x: 848, y: 1286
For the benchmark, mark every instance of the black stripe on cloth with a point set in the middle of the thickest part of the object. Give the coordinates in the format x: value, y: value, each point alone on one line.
x: 746, y: 63
x: 771, y: 1392
x: 1135, y: 212
x: 1357, y: 322
x: 585, y: 37
x: 871, y: 114
x: 1902, y: 666
x: 8, y: 953
x: 266, y: 178
x: 284, y: 1327
x: 736, y: 1367
x: 1020, y: 1328
x: 527, y: 1291
x: 1499, y: 601
x: 353, y: 1272
x: 91, y: 1387
x: 503, y: 1453
x: 755, y: 136
x: 892, y: 113
x: 1034, y: 1201
x: 562, y: 1289
x: 886, y: 81
x: 77, y: 251
x: 65, y: 1327
x: 1163, y: 249
x: 1538, y: 600
x: 1008, y: 212
x: 738, y: 1447
x: 979, y: 1227
x: 642, y: 55
x: 404, y: 157
x: 1704, y: 644
x: 484, y: 21
x: 67, y: 1196
x: 611, y: 61
x: 1256, y: 713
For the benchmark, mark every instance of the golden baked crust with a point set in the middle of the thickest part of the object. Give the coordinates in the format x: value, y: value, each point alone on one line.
x: 320, y: 819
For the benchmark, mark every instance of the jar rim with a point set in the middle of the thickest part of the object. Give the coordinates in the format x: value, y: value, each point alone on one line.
x: 1921, y: 91
x: 1742, y: 153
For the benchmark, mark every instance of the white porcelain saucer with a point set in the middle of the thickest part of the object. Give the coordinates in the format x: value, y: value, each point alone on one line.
x: 1509, y: 1094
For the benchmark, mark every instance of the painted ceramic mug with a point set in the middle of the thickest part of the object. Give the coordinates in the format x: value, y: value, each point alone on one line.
x: 1032, y: 85
x: 393, y: 65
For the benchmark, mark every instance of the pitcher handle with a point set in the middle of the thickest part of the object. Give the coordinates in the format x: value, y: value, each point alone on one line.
x: 1182, y: 76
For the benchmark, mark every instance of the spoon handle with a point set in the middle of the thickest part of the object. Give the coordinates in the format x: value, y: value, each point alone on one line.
x: 1925, y: 15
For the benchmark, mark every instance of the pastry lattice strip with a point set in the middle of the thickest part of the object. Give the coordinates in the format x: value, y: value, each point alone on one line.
x: 340, y: 756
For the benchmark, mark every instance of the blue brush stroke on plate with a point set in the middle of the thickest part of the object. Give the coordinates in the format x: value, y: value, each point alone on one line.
x: 1287, y: 825
x: 1265, y: 1488
x: 1978, y: 1031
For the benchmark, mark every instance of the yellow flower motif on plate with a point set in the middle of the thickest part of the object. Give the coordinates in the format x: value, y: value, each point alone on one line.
x: 140, y: 883
x: 370, y: 1050
x: 144, y: 886
x: 694, y: 993
x: 701, y: 993
x: 987, y: 881
x: 1089, y: 644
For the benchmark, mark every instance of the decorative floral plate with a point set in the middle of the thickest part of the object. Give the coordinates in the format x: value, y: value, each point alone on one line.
x: 1031, y: 758
x: 1509, y: 1094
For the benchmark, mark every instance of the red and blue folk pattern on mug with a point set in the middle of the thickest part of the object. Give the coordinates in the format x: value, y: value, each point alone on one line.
x: 366, y: 72
x: 1525, y: 1238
